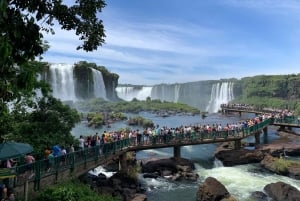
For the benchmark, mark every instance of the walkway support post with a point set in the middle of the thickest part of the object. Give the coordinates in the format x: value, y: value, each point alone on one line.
x: 237, y: 144
x: 122, y: 162
x: 257, y: 137
x: 265, y: 130
x: 177, y: 151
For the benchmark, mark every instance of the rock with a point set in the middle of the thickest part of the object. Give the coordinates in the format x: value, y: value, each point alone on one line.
x: 139, y: 197
x: 259, y: 196
x: 174, y: 168
x: 292, y: 170
x: 268, y: 162
x: 239, y: 157
x: 212, y: 190
x: 150, y: 175
x: 280, y: 191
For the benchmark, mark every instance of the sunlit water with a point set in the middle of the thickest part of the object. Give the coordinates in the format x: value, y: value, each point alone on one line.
x: 240, y: 180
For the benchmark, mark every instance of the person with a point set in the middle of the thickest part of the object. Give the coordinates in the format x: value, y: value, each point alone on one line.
x: 51, y: 161
x: 29, y: 159
x: 81, y: 142
x: 4, y: 191
x: 63, y: 154
x: 71, y: 148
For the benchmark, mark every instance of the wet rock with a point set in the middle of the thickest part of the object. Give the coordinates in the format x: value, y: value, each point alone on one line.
x: 239, y: 157
x: 259, y: 196
x: 174, y: 168
x: 212, y: 190
x: 281, y: 191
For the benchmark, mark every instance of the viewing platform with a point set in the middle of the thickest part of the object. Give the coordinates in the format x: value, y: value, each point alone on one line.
x: 282, y: 122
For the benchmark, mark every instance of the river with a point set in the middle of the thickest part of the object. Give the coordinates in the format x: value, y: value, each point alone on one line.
x: 240, y: 180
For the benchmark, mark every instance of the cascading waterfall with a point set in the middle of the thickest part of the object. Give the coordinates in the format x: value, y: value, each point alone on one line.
x: 176, y: 92
x: 220, y: 93
x: 67, y: 87
x: 99, y: 86
x: 62, y: 81
x: 127, y: 93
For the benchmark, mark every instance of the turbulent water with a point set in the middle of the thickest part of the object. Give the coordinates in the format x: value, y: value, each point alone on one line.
x: 239, y: 180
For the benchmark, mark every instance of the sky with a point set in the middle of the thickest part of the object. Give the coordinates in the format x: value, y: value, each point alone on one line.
x: 170, y: 41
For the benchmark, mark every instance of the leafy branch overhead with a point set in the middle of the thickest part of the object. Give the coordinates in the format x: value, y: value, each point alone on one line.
x: 23, y: 23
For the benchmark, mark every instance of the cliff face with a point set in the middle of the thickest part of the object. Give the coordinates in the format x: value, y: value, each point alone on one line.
x: 84, y: 77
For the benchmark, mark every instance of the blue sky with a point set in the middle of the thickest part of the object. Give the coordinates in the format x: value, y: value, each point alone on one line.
x: 171, y: 41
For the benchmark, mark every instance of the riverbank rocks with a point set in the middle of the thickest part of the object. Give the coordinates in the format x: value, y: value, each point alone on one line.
x: 239, y: 157
x: 213, y: 190
x: 291, y: 170
x: 176, y: 169
x: 119, y: 185
x: 281, y: 191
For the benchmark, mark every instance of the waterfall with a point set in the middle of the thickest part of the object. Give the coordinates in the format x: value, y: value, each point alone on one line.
x: 218, y: 163
x: 62, y: 81
x: 99, y: 86
x: 220, y: 93
x: 176, y: 92
x: 127, y: 93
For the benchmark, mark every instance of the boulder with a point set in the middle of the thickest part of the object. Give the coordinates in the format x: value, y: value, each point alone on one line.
x: 212, y: 190
x: 280, y: 191
x: 174, y: 168
x: 239, y: 157
x: 292, y: 170
x: 259, y: 196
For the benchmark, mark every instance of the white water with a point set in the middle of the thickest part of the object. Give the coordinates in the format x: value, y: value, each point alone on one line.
x: 99, y: 86
x: 220, y: 94
x: 128, y: 93
x: 62, y: 81
x: 242, y: 180
x: 176, y: 93
x: 96, y: 171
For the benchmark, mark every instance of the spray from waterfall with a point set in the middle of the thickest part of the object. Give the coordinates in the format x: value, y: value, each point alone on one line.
x: 220, y: 93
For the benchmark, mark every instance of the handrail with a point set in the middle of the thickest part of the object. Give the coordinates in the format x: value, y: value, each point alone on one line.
x: 46, y: 167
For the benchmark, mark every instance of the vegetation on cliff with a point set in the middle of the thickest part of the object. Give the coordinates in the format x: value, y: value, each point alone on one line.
x: 274, y: 91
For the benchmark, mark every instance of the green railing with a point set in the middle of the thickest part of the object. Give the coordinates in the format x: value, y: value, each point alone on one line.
x: 54, y: 166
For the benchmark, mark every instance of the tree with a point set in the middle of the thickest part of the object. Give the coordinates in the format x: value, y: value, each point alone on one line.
x: 22, y: 25
x: 21, y: 39
x: 49, y: 124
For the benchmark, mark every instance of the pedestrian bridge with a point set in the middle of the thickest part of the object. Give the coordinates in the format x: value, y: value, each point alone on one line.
x: 287, y: 121
x: 77, y: 163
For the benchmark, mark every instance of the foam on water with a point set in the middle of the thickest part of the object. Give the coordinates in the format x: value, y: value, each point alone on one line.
x: 242, y: 180
x: 96, y: 171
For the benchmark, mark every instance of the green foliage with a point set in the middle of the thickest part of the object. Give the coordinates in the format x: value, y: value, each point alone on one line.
x: 140, y: 121
x: 50, y: 123
x: 135, y: 106
x: 281, y: 165
x: 95, y: 119
x: 72, y: 191
x: 278, y: 91
x: 21, y: 39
